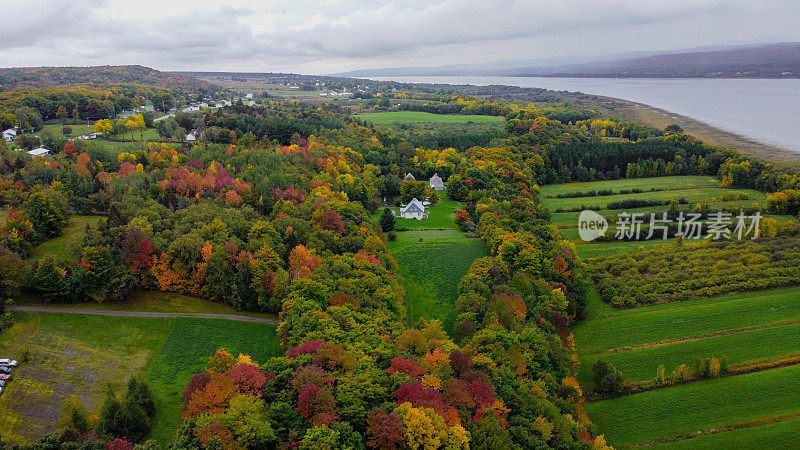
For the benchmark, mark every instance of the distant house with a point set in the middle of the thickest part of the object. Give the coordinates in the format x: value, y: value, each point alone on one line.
x: 89, y: 136
x: 10, y: 134
x: 413, y: 210
x: 41, y: 151
x: 204, y: 105
x: 436, y: 182
x: 409, y: 177
x: 251, y: 103
x: 249, y: 96
x: 195, y: 135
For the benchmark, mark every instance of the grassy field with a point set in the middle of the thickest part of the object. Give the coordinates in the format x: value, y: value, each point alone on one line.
x: 705, y: 405
x: 77, y: 130
x: 152, y: 301
x: 64, y: 354
x: 659, y: 183
x: 422, y: 117
x: 778, y: 435
x: 693, y: 196
x: 59, y: 247
x: 439, y: 216
x: 430, y: 271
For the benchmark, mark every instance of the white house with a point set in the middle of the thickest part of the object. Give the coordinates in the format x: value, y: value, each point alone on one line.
x: 436, y: 182
x: 41, y: 151
x: 409, y: 177
x: 413, y: 210
x: 10, y: 134
x: 249, y: 96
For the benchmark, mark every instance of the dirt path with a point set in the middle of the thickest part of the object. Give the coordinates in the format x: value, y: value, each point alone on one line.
x: 103, y: 312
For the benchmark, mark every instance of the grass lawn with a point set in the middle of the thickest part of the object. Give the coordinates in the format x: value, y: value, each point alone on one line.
x: 422, y: 117
x: 64, y: 354
x: 441, y: 215
x: 699, y: 406
x: 431, y: 270
x: 777, y: 435
x: 152, y: 301
x: 59, y: 247
x: 77, y: 130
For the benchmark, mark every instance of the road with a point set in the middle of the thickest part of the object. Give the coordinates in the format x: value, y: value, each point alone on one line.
x: 104, y: 312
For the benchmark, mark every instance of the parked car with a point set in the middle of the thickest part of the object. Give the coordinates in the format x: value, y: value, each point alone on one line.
x: 5, y: 369
x: 4, y: 376
x: 8, y: 362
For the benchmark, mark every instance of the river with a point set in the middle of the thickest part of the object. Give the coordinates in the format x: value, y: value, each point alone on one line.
x: 765, y: 110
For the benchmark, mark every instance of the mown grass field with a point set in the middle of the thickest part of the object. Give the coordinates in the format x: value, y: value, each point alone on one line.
x: 660, y: 183
x: 77, y: 130
x: 59, y: 247
x: 430, y: 271
x: 440, y: 216
x: 778, y: 435
x: 693, y: 196
x: 704, y: 405
x: 382, y: 118
x: 151, y: 301
x: 65, y: 354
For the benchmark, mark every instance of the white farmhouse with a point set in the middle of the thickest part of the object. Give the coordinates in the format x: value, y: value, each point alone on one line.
x: 409, y: 177
x: 41, y: 151
x: 436, y: 182
x: 10, y: 134
x: 413, y: 210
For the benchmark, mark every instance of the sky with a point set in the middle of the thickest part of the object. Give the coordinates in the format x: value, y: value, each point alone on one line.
x: 328, y: 36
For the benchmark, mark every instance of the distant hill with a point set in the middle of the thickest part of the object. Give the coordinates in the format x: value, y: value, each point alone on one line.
x: 781, y: 60
x: 97, y: 75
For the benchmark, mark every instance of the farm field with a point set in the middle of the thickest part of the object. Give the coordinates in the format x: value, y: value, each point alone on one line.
x: 658, y: 183
x: 777, y: 435
x: 693, y: 196
x: 696, y: 407
x: 382, y: 118
x: 64, y: 354
x: 59, y: 247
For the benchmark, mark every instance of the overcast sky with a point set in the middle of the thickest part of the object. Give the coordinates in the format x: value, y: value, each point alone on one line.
x: 337, y: 35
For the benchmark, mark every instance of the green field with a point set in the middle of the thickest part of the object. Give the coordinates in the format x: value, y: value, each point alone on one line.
x: 700, y: 406
x: 65, y: 354
x: 59, y: 247
x: 382, y: 118
x: 440, y: 215
x: 431, y: 270
x: 77, y: 130
x: 659, y: 183
x: 777, y: 435
x: 693, y: 196
x: 151, y: 301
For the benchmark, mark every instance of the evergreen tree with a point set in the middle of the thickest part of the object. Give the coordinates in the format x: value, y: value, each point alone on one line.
x: 387, y: 220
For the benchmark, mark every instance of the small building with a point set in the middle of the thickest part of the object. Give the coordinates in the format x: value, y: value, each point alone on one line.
x: 41, y: 151
x: 410, y: 177
x: 249, y: 96
x: 413, y: 210
x: 436, y: 182
x: 251, y: 103
x: 10, y: 134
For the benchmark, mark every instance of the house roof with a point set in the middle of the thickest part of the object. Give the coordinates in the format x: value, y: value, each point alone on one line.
x: 38, y: 151
x: 409, y: 176
x: 413, y: 206
x: 10, y: 131
x: 436, y: 181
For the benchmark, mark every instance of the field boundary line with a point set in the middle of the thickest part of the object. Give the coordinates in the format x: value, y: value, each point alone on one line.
x: 149, y: 314
x: 782, y: 323
x: 736, y: 426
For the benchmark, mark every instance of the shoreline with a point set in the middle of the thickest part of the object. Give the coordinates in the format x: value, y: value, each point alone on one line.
x: 709, y: 134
